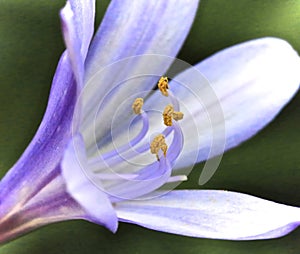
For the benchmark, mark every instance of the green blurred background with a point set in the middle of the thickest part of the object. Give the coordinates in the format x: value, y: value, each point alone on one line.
x: 266, y: 166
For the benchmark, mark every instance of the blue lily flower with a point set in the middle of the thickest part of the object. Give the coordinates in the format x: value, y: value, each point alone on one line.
x: 78, y: 167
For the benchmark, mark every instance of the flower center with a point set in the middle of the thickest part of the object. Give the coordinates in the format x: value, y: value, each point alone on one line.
x: 115, y: 168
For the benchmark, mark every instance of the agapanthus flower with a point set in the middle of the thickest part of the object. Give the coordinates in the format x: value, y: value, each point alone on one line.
x: 111, y: 147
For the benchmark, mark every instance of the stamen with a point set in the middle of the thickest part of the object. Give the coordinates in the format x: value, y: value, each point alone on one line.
x: 163, y: 85
x: 137, y: 105
x: 159, y: 143
x: 177, y: 115
x: 177, y: 142
x: 169, y: 113
x: 174, y: 101
x: 111, y: 154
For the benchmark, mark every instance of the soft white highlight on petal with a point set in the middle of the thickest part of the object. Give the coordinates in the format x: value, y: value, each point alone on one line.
x: 212, y: 214
x: 93, y: 200
x: 84, y: 11
x: 77, y: 18
x: 72, y: 43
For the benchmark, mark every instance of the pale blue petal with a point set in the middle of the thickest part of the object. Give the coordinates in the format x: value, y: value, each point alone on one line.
x: 93, y: 200
x: 149, y: 179
x: 212, y: 214
x: 251, y: 81
x: 136, y: 27
x: 131, y: 28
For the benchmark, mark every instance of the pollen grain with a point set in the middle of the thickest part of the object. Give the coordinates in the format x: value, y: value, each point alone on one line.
x: 137, y: 105
x: 169, y: 114
x: 159, y: 143
x: 177, y: 115
x: 163, y: 85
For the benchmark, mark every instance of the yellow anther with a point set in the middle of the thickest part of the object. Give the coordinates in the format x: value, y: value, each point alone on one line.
x: 163, y: 85
x: 167, y: 115
x: 137, y: 105
x: 177, y: 115
x: 159, y: 143
x: 170, y: 114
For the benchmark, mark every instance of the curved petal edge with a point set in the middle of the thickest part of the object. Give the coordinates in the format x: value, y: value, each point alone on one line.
x: 212, y: 214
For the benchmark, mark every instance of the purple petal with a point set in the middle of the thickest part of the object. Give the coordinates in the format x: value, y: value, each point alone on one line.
x: 212, y: 214
x: 131, y: 28
x: 89, y: 196
x: 42, y: 156
x: 77, y: 19
x: 51, y: 204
